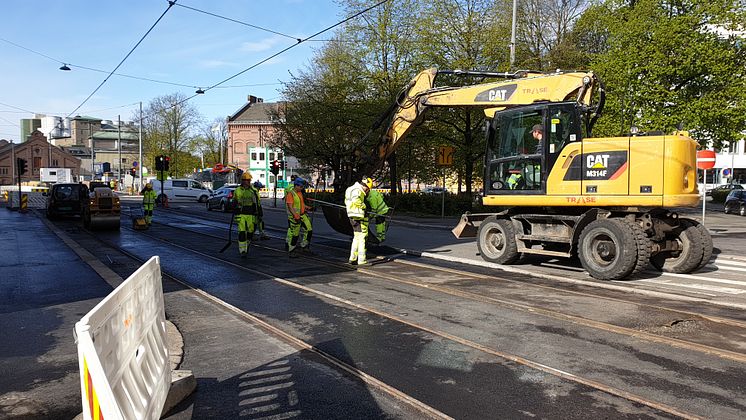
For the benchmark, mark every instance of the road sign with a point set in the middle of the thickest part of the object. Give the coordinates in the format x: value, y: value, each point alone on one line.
x: 134, y: 164
x: 705, y: 159
x: 726, y: 172
x: 445, y: 156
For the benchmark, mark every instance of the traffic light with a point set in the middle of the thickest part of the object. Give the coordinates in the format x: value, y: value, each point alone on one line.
x: 159, y: 163
x: 275, y: 167
x: 21, y: 164
x: 166, y: 162
x: 282, y: 165
x: 133, y: 172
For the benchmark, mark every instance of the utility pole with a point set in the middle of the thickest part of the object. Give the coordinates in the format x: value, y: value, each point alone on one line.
x: 140, y: 147
x: 119, y: 150
x: 93, y: 153
x: 512, y: 34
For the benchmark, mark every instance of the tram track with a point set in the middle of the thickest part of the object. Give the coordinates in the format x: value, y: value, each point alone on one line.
x: 735, y: 335
x: 475, y: 345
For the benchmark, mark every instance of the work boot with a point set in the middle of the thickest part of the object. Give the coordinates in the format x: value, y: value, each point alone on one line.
x: 244, y: 254
x: 352, y: 262
x: 363, y: 264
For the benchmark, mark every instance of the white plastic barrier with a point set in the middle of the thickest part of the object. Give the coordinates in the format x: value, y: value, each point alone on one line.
x: 122, y: 350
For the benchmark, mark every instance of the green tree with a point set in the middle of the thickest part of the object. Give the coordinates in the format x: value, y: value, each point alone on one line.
x: 169, y: 122
x: 669, y: 63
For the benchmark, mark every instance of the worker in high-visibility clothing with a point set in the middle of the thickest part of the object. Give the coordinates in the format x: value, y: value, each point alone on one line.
x: 516, y: 181
x: 260, y: 214
x: 355, y: 205
x: 246, y: 198
x: 148, y: 202
x: 297, y: 218
x: 374, y: 202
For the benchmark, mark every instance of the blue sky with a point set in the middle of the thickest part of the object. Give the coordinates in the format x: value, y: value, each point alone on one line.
x: 186, y: 47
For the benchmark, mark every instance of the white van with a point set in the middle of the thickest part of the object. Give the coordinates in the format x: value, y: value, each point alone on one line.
x: 183, y: 189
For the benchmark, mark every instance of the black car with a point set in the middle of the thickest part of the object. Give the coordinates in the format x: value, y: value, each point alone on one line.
x: 65, y: 199
x: 222, y: 198
x: 725, y: 187
x: 736, y: 202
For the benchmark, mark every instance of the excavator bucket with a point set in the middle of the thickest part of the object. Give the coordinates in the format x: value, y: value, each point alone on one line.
x: 468, y: 226
x: 336, y: 217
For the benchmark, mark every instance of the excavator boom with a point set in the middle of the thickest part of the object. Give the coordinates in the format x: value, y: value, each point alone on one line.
x: 522, y: 88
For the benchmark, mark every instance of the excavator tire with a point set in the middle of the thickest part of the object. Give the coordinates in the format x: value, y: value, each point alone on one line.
x: 691, y: 256
x: 642, y: 242
x: 609, y: 249
x: 496, y: 241
x: 706, y: 243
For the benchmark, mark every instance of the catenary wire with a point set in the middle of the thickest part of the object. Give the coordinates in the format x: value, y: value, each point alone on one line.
x: 170, y: 4
x: 328, y: 28
x: 147, y: 79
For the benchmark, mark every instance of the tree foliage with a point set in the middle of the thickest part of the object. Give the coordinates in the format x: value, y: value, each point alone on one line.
x: 668, y: 63
x: 169, y: 122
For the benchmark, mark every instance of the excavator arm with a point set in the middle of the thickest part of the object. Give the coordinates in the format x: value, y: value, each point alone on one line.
x: 520, y: 88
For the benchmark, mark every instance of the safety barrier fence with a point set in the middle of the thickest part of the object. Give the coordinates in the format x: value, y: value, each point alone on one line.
x: 123, y: 352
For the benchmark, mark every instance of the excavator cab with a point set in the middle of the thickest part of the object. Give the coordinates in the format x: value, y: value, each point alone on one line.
x: 518, y: 161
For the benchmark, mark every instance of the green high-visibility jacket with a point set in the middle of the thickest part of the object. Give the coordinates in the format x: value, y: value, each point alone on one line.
x: 375, y: 200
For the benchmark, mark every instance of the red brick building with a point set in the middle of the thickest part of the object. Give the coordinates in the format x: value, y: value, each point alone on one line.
x: 38, y: 153
x: 249, y: 129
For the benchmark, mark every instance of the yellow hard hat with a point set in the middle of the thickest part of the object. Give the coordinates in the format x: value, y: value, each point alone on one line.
x: 245, y: 176
x: 368, y: 182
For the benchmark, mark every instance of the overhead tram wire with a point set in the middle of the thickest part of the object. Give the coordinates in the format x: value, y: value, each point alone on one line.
x: 295, y: 38
x: 300, y: 41
x: 217, y: 85
x: 147, y: 79
x: 170, y: 4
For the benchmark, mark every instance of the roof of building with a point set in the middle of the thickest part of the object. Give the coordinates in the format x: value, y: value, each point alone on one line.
x: 113, y: 135
x: 255, y: 112
x: 86, y: 118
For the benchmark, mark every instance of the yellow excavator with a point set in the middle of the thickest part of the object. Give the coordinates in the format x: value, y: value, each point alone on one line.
x: 557, y: 190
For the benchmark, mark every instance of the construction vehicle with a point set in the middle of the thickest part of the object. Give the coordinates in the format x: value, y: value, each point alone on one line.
x: 608, y: 201
x: 101, y: 208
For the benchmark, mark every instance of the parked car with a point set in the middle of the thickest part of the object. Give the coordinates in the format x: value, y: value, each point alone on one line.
x: 725, y: 187
x: 736, y: 202
x: 221, y: 198
x: 65, y: 199
x: 182, y: 189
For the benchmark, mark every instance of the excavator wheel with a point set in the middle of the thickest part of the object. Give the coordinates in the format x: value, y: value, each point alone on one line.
x: 706, y: 243
x: 695, y: 245
x: 496, y: 241
x: 609, y: 249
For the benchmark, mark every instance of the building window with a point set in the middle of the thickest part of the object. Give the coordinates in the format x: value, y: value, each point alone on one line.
x: 55, y: 163
x: 3, y: 171
x: 271, y: 155
x: 124, y: 160
x: 261, y: 155
x: 279, y: 156
x: 253, y: 156
x: 37, y: 162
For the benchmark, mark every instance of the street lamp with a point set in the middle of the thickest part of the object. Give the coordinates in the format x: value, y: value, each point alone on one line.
x: 64, y: 67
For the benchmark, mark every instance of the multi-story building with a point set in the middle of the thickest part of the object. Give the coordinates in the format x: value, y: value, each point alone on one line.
x: 249, y: 130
